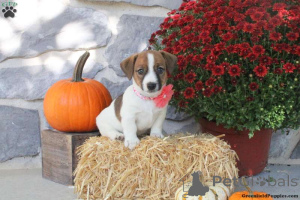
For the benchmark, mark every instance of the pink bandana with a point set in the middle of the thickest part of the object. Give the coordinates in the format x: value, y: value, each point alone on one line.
x: 161, y: 100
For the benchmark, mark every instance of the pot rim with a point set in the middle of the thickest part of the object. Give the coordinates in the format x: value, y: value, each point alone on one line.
x: 222, y: 130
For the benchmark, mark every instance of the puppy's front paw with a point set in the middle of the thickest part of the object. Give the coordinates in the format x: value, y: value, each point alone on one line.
x: 159, y: 135
x: 131, y: 142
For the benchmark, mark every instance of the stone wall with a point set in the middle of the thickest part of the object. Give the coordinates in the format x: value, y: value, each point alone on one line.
x: 41, y: 46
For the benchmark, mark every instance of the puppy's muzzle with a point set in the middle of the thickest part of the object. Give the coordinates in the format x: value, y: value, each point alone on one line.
x: 151, y: 86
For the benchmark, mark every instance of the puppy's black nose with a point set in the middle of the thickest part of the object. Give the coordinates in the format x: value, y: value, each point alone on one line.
x: 151, y: 86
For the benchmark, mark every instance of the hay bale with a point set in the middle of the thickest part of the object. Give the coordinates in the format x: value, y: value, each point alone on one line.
x: 108, y: 170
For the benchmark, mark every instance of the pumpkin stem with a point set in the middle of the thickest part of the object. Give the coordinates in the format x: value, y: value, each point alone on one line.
x: 246, y: 186
x: 77, y: 74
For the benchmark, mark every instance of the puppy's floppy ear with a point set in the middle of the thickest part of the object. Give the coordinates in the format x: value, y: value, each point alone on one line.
x: 171, y: 61
x: 127, y: 65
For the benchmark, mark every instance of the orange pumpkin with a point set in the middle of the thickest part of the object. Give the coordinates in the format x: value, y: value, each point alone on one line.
x: 255, y: 195
x: 72, y: 105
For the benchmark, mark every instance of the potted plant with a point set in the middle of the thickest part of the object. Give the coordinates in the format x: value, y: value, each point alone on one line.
x: 238, y: 70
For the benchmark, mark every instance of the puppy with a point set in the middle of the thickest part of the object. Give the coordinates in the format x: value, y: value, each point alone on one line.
x: 136, y: 112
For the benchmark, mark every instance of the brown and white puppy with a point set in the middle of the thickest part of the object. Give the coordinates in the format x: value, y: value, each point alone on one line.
x: 134, y: 112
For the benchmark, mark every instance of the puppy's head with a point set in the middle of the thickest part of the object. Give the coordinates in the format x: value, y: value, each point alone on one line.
x: 149, y: 69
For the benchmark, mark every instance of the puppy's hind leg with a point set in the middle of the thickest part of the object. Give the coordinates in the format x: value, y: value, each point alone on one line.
x: 116, y: 135
x: 111, y: 133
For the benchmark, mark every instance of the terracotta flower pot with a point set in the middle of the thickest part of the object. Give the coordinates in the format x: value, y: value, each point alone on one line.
x: 253, y: 153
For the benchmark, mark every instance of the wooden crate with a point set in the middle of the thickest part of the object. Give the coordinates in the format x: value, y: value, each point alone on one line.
x: 58, y: 154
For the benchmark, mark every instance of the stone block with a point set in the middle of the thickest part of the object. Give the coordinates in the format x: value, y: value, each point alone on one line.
x: 134, y: 33
x: 31, y: 78
x: 20, y: 132
x: 52, y: 26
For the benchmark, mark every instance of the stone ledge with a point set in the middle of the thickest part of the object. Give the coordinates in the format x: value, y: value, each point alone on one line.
x: 186, y: 126
x: 283, y: 161
x: 170, y: 4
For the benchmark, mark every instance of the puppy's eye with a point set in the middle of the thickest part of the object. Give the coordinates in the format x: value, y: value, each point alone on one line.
x: 160, y: 70
x: 140, y: 71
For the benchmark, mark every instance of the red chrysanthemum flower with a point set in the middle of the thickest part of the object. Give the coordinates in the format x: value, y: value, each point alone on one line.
x: 292, y: 36
x: 218, y: 70
x: 204, y: 34
x: 186, y: 29
x: 220, y: 46
x: 225, y: 65
x: 173, y: 36
x: 244, y: 52
x: 196, y: 39
x: 260, y: 71
x: 211, y: 58
x: 223, y: 25
x: 253, y: 86
x: 252, y: 56
x: 298, y: 68
x: 278, y: 47
x: 210, y: 81
x: 245, y: 45
x: 276, y: 20
x: 261, y: 24
x: 182, y: 63
x: 279, y: 6
x: 207, y: 92
x: 216, y: 52
x: 197, y: 22
x: 182, y: 104
x: 278, y: 71
x: 265, y: 60
x: 257, y: 16
x: 176, y: 17
x: 217, y: 89
x: 209, y: 66
x: 234, y: 81
x: 254, y: 39
x: 177, y: 49
x: 206, y: 40
x: 258, y: 49
x: 269, y: 27
x: 176, y: 94
x: 234, y: 70
x: 199, y: 85
x: 250, y: 98
x: 196, y: 59
x: 248, y: 27
x: 257, y: 32
x: 188, y: 18
x: 238, y: 17
x: 297, y: 51
x: 275, y: 36
x: 226, y: 37
x: 189, y: 93
x: 231, y: 49
x: 180, y: 76
x: 289, y: 67
x: 287, y: 47
x: 294, y: 49
x: 190, y: 77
